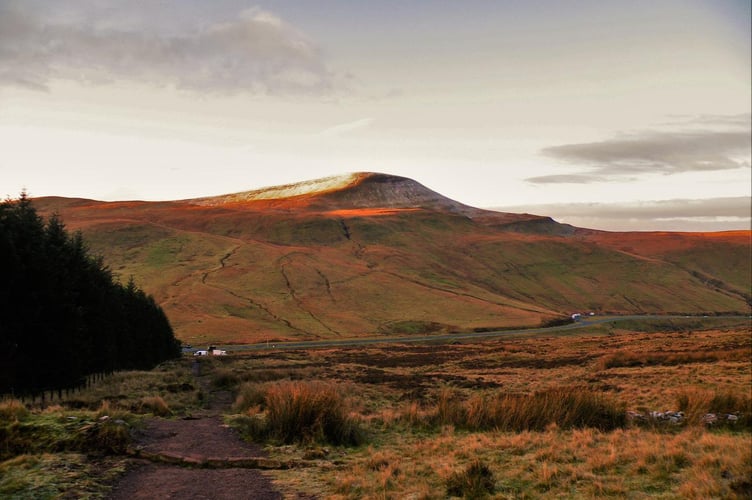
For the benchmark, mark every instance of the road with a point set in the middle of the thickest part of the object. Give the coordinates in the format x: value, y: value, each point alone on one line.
x: 585, y: 322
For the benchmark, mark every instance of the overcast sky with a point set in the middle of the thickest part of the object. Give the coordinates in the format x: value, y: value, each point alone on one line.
x: 626, y: 115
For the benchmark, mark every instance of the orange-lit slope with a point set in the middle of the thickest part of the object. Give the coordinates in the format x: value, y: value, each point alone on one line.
x: 368, y: 253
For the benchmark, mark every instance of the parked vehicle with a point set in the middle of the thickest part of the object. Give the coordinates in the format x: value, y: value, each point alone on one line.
x: 211, y: 351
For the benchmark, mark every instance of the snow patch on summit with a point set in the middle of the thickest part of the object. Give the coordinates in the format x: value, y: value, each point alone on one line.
x: 323, y: 185
x: 302, y: 188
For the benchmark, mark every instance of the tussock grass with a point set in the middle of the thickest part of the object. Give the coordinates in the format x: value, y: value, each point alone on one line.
x: 625, y: 358
x: 449, y: 409
x: 155, y: 405
x: 696, y: 402
x: 565, y: 407
x: 12, y: 410
x: 104, y: 412
x: 476, y: 481
x: 300, y: 412
x: 310, y: 411
x: 250, y: 395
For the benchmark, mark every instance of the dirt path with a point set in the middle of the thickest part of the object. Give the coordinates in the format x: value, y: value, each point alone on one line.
x: 196, y: 458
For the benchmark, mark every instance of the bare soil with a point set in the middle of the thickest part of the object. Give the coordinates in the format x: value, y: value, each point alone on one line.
x: 152, y: 481
x: 196, y: 440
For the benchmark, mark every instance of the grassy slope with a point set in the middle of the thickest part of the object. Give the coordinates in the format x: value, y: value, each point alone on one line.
x: 234, y: 275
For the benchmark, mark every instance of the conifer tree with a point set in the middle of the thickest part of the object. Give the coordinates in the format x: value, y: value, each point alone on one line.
x: 62, y: 314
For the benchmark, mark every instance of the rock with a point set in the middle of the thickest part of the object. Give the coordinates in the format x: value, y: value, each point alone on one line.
x: 709, y: 419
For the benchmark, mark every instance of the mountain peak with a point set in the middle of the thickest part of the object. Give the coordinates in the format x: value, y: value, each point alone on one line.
x: 352, y: 190
x: 356, y: 193
x: 376, y: 190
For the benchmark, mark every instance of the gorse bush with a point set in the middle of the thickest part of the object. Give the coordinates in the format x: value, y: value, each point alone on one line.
x: 299, y: 412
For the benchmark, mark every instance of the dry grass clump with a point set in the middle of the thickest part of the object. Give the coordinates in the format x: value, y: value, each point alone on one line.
x: 12, y: 410
x: 155, y: 405
x: 565, y: 407
x: 110, y: 411
x: 629, y: 359
x: 110, y: 437
x: 299, y: 412
x: 449, y: 408
x: 476, y: 481
x: 696, y: 403
x: 250, y: 398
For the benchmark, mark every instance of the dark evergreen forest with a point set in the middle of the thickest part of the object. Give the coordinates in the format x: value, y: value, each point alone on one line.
x: 62, y: 314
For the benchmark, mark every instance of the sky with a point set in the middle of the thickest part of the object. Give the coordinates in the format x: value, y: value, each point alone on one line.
x: 600, y: 113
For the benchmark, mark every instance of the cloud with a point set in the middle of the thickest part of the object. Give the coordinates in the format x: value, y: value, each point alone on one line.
x: 255, y: 52
x: 344, y: 128
x: 566, y: 179
x: 712, y: 214
x: 668, y: 153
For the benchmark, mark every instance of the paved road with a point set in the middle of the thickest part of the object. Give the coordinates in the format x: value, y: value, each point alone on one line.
x: 585, y: 322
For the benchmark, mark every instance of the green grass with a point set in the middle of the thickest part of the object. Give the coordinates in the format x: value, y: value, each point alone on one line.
x: 164, y: 252
x: 53, y: 476
x: 126, y: 390
x: 74, y: 447
x: 60, y: 430
x: 411, y: 327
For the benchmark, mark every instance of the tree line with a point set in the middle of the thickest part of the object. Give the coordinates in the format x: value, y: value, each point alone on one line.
x: 63, y: 316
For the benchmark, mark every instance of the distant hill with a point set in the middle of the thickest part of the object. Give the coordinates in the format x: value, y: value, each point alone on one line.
x: 370, y: 254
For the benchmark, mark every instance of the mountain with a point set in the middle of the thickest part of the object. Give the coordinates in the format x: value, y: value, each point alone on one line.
x: 369, y: 254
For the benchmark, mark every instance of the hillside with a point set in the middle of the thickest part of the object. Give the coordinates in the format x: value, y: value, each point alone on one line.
x: 365, y: 254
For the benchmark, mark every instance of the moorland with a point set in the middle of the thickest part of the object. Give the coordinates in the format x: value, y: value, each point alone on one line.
x: 522, y: 416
